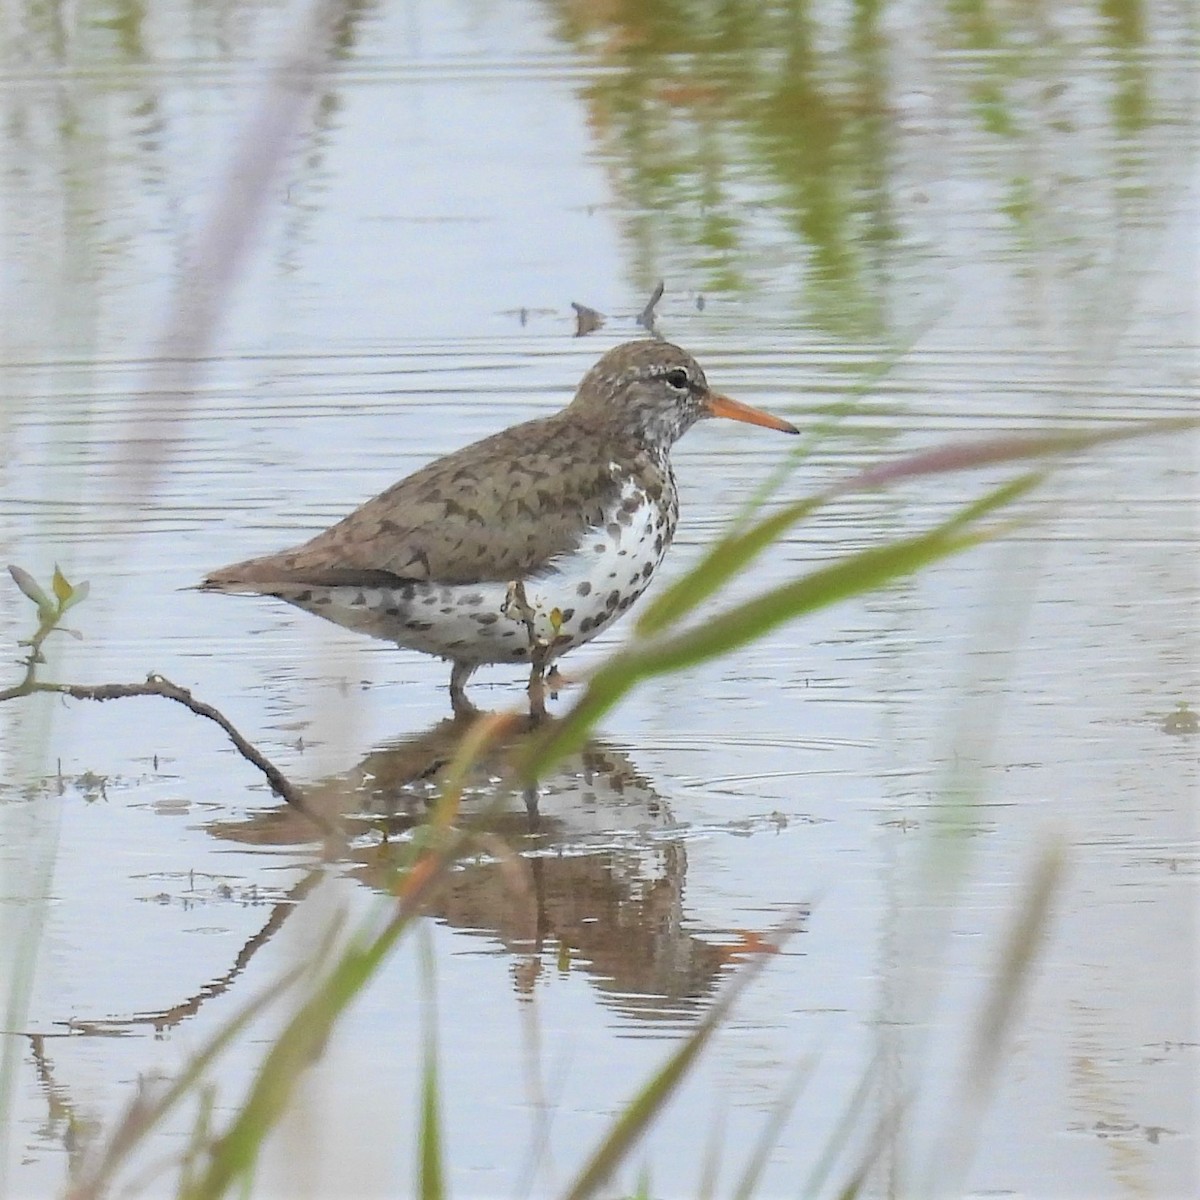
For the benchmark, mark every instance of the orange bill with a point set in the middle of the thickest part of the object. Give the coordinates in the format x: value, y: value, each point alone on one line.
x: 723, y: 406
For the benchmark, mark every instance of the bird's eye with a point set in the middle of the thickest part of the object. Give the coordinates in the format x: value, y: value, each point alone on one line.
x: 677, y: 379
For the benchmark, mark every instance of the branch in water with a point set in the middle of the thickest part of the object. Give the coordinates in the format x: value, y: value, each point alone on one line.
x: 156, y: 685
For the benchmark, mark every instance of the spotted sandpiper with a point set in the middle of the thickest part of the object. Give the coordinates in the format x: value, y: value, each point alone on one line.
x: 523, y: 545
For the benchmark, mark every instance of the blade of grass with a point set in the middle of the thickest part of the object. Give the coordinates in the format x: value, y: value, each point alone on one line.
x: 145, y: 1112
x: 643, y: 1191
x: 234, y: 1154
x: 735, y: 627
x: 429, y: 1138
x: 736, y: 550
x: 990, y: 452
x: 649, y: 1101
x: 730, y: 554
x: 951, y: 1160
x: 200, y: 1134
x: 223, y: 243
x: 300, y: 1043
x: 848, y: 1122
x: 711, y: 1170
x: 831, y: 416
x: 768, y: 1136
x: 882, y: 1134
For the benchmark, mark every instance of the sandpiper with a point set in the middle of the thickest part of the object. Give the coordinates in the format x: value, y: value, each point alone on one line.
x: 523, y: 545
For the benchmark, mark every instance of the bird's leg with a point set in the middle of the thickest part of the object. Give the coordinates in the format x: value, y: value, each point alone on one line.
x: 459, y: 674
x: 531, y: 808
x: 537, y: 683
x: 518, y: 608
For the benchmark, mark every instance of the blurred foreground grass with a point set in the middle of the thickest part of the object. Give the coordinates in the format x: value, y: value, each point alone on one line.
x: 221, y: 1156
x: 842, y: 191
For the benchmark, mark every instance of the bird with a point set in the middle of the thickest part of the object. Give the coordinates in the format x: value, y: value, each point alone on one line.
x: 519, y: 547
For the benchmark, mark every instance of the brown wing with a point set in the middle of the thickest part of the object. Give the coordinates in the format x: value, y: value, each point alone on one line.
x: 494, y: 510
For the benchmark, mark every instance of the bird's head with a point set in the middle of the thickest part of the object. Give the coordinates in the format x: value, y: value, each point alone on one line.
x: 659, y: 391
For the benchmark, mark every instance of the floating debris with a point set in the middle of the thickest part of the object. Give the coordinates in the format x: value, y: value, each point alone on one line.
x: 587, y: 320
x: 646, y: 317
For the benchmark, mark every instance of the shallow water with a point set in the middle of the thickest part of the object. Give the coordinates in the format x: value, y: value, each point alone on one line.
x: 943, y: 226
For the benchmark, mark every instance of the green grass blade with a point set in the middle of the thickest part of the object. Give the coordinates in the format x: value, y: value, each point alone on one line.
x: 304, y: 1037
x: 644, y: 1107
x: 768, y: 1137
x: 730, y: 555
x: 292, y: 1053
x: 145, y: 1112
x: 848, y: 1123
x: 993, y: 1025
x: 711, y: 1170
x: 882, y: 1136
x: 649, y: 1101
x: 854, y: 575
x: 832, y: 415
x: 850, y: 576
x: 736, y: 550
x: 431, y: 1182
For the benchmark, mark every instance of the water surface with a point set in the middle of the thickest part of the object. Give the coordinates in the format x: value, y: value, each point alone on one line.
x: 925, y: 225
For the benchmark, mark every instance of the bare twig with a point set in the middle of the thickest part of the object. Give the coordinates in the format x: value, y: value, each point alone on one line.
x: 156, y: 685
x: 51, y: 611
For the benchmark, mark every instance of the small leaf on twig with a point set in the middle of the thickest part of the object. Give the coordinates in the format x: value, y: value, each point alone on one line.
x: 79, y: 593
x: 29, y: 586
x: 62, y: 589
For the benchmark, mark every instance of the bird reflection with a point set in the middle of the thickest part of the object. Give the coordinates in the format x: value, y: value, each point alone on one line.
x: 584, y: 872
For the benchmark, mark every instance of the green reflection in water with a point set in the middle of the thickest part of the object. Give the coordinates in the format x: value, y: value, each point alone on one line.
x: 706, y: 104
x: 766, y: 146
x: 1125, y: 22
x: 774, y: 149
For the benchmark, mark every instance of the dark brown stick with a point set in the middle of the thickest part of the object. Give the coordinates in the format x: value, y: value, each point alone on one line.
x: 156, y: 685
